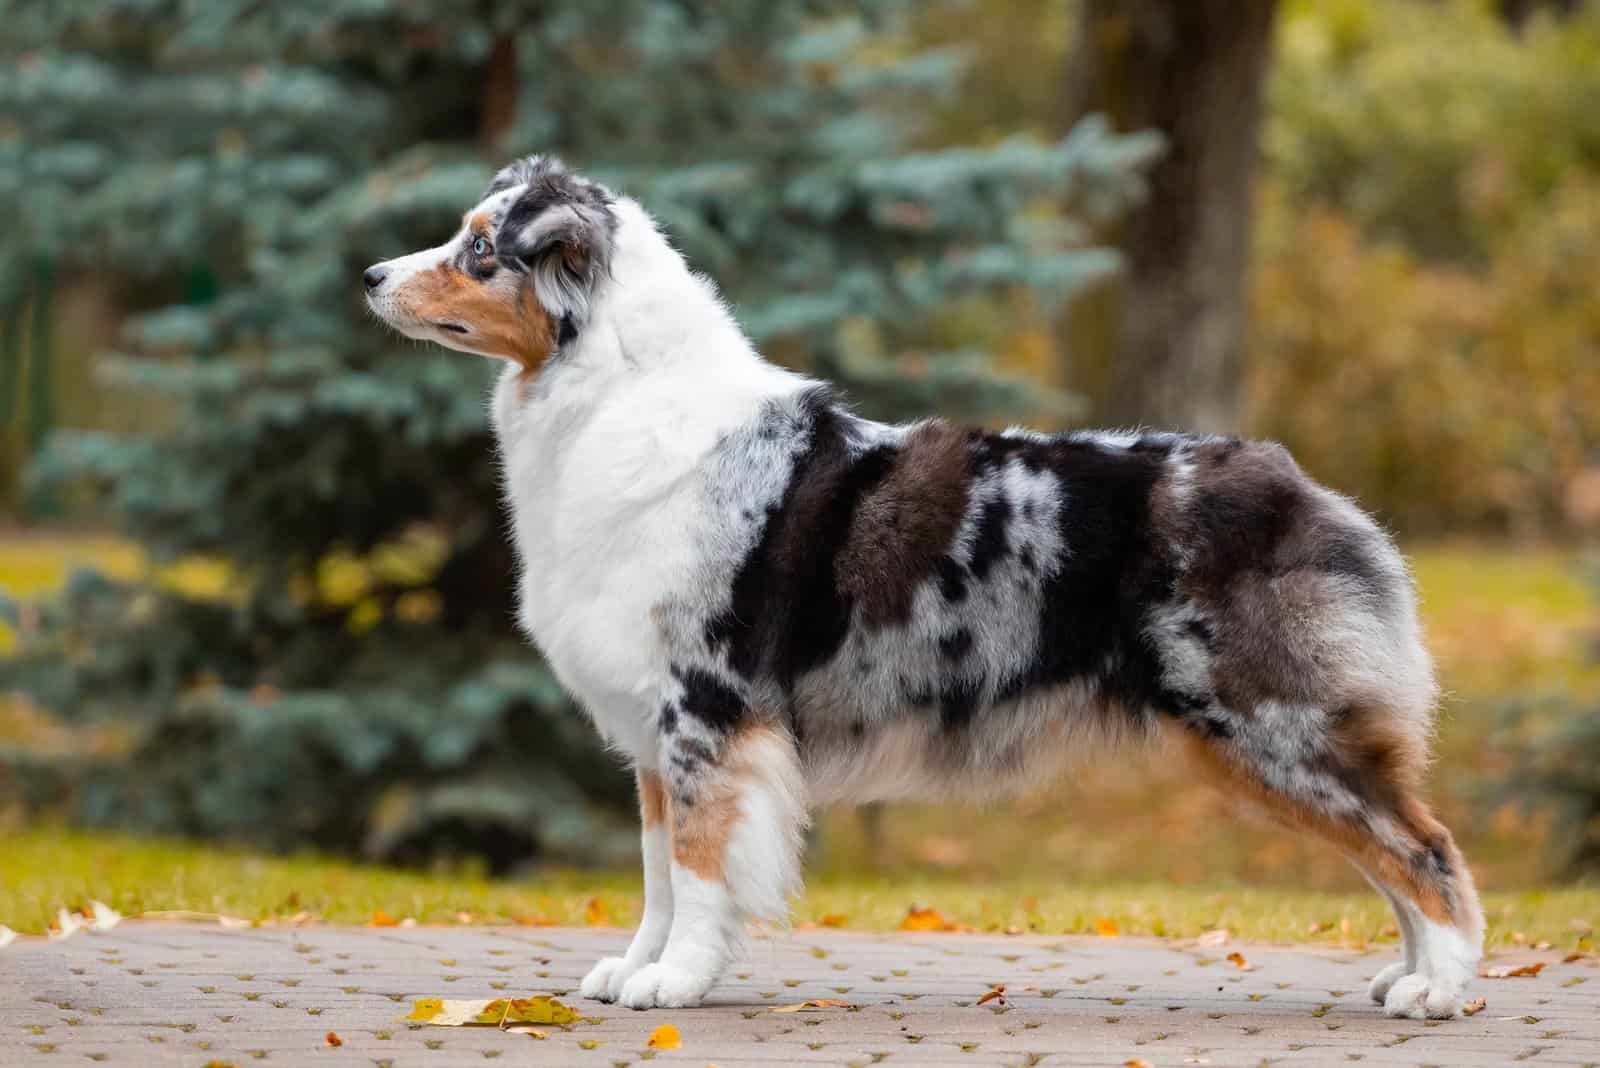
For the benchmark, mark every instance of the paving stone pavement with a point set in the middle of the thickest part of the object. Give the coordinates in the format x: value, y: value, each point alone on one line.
x: 158, y: 994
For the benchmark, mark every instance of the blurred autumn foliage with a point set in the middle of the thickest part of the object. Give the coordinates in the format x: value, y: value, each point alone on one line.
x: 1426, y: 331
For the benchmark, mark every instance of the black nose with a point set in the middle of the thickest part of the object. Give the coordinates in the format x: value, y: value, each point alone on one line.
x: 373, y: 276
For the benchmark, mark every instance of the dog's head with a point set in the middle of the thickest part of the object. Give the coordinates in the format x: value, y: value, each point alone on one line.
x: 517, y: 279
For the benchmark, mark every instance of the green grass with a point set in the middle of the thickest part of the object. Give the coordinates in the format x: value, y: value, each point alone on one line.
x: 45, y: 870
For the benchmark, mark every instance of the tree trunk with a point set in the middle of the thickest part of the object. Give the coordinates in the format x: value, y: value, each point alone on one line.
x: 1194, y: 70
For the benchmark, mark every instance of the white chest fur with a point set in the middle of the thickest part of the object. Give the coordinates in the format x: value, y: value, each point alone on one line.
x: 603, y: 473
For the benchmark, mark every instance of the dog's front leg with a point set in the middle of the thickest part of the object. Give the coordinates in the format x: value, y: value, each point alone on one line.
x: 737, y: 812
x: 605, y: 980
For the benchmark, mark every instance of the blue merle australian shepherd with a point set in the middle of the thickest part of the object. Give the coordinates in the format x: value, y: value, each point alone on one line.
x: 768, y: 602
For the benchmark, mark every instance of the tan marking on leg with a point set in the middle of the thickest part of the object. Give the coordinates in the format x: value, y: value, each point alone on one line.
x: 1408, y: 813
x: 700, y: 832
x: 652, y: 799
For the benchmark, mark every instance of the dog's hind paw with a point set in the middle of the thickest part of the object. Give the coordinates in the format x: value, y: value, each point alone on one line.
x: 605, y: 980
x: 663, y: 986
x: 1379, y: 989
x: 1422, y: 997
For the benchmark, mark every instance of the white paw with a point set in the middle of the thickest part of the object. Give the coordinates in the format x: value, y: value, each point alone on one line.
x: 1423, y: 997
x: 604, y: 981
x: 1379, y: 990
x: 663, y: 986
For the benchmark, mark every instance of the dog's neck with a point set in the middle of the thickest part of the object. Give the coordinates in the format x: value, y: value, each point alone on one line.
x: 659, y: 344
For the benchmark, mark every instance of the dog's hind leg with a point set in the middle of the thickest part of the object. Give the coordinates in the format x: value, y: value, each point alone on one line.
x: 736, y: 804
x: 606, y: 979
x: 1350, y: 776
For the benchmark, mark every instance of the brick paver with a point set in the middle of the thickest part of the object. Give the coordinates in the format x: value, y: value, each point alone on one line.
x: 155, y: 994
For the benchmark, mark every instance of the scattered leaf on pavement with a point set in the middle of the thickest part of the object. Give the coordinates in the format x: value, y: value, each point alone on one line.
x: 921, y: 919
x: 381, y: 918
x: 665, y: 1037
x: 815, y: 1004
x: 1136, y: 1062
x: 1106, y: 927
x: 524, y: 1029
x: 1237, y: 960
x: 495, y: 1012
x: 833, y: 919
x: 333, y: 1040
x: 995, y: 994
x: 1475, y: 1006
x: 1570, y: 958
x: 1520, y: 971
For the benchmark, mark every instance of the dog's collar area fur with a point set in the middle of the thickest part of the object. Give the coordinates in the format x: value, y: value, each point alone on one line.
x: 767, y: 602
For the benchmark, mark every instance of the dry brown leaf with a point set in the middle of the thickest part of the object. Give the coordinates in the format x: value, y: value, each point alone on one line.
x: 665, y: 1037
x: 333, y: 1040
x: 1520, y: 971
x: 382, y: 919
x: 1475, y: 1006
x: 595, y: 913
x: 833, y: 919
x: 815, y: 1004
x: 1137, y: 1062
x: 1570, y: 958
x: 996, y: 994
x: 1237, y: 960
x: 1212, y: 939
x: 1106, y: 927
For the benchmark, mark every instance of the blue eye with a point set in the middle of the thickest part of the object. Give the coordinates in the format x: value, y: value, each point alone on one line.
x: 481, y: 247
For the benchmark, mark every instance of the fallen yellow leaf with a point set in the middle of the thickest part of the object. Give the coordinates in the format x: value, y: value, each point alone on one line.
x: 495, y: 1012
x: 815, y: 1004
x: 1475, y: 1006
x: 595, y: 913
x: 1136, y: 1062
x: 665, y: 1037
x: 333, y: 1040
x: 1237, y: 960
x: 996, y: 994
x: 383, y: 919
x: 1106, y: 927
x: 589, y: 1043
x: 1521, y: 971
x: 833, y: 919
x: 531, y: 1032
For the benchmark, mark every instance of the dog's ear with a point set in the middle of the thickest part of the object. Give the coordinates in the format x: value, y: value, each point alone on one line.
x: 564, y: 245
